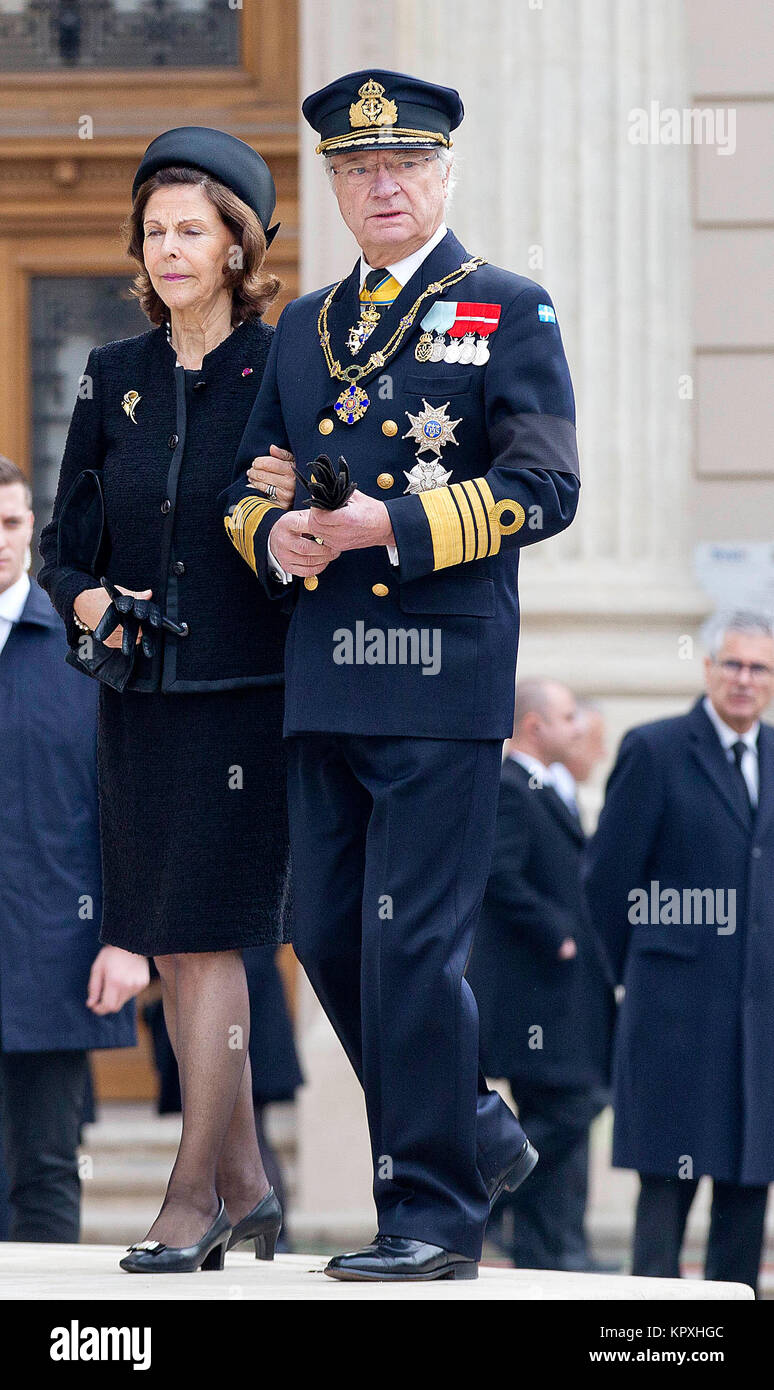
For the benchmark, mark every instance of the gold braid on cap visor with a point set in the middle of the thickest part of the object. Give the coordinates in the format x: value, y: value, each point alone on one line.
x: 380, y: 135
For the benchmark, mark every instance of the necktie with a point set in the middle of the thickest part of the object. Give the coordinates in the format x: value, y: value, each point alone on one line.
x: 738, y: 749
x: 378, y: 293
x: 373, y: 280
x: 379, y: 287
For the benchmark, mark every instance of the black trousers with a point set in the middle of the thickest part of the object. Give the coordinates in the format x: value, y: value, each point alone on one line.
x: 392, y: 843
x: 736, y: 1231
x: 548, y: 1212
x: 42, y: 1100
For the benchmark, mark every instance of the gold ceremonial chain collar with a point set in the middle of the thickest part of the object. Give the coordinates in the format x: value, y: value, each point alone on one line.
x: 356, y: 371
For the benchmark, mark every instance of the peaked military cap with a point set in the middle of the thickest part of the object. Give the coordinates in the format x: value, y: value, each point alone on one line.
x: 227, y: 159
x: 375, y: 108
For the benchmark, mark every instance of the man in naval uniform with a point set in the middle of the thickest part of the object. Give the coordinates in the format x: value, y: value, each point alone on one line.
x: 443, y: 382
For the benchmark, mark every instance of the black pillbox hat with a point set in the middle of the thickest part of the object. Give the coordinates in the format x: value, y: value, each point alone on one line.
x: 229, y: 160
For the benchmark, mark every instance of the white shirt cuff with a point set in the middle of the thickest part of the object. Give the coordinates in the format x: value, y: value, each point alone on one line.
x: 276, y: 569
x: 392, y: 551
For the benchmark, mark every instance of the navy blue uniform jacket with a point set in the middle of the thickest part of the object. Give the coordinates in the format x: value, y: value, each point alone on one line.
x: 458, y: 569
x: 49, y: 845
x: 694, y: 1047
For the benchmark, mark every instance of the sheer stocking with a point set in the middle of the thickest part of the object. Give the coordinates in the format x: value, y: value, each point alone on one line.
x: 207, y: 1013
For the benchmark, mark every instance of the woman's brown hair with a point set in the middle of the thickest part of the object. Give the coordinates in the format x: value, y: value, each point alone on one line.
x: 252, y: 288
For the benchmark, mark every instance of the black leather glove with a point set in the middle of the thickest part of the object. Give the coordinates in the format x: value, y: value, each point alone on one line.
x: 133, y: 614
x: 329, y: 488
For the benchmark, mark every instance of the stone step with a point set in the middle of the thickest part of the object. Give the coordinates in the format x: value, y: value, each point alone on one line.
x: 91, y: 1272
x: 131, y: 1149
x: 135, y: 1126
x: 138, y: 1176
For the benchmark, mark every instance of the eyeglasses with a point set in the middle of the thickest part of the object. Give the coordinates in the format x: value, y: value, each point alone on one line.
x: 404, y: 170
x: 758, y: 672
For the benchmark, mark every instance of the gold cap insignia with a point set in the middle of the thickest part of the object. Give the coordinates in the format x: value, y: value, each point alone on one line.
x: 374, y: 108
x: 129, y: 404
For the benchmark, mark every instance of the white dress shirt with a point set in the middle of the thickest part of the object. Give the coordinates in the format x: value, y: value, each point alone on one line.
x: 566, y: 786
x: 12, y: 601
x: 728, y: 737
x: 401, y: 271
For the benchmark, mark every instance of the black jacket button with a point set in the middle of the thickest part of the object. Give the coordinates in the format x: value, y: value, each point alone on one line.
x: 178, y: 567
x: 166, y: 505
x: 173, y: 441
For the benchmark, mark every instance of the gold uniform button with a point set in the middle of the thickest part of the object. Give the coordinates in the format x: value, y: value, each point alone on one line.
x: 389, y: 428
x: 311, y: 581
x: 380, y: 590
x: 385, y: 480
x: 325, y: 426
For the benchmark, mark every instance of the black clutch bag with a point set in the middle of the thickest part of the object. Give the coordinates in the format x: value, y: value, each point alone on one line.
x: 83, y: 543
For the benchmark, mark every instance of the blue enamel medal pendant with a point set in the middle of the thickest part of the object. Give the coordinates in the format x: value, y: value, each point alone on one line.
x: 352, y: 404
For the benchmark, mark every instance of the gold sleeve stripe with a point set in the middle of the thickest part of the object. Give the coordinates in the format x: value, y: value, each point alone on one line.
x: 468, y: 524
x: 445, y: 527
x: 243, y: 523
x: 479, y: 519
x: 489, y: 507
x: 465, y: 523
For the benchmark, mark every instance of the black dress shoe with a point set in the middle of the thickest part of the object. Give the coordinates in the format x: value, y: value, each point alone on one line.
x: 153, y: 1257
x: 396, y: 1257
x: 513, y: 1176
x: 261, y: 1225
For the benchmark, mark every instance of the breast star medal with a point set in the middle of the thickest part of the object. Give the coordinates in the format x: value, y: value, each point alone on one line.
x: 426, y: 475
x: 129, y: 404
x: 432, y: 429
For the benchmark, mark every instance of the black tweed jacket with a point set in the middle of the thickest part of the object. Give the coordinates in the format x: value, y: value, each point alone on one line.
x: 164, y: 441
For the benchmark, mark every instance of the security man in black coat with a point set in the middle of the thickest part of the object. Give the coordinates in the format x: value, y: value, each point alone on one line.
x: 680, y: 880
x: 62, y: 993
x: 444, y: 383
x: 545, y: 996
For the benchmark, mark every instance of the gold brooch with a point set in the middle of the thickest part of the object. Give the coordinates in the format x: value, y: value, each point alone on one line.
x: 374, y: 108
x: 129, y: 404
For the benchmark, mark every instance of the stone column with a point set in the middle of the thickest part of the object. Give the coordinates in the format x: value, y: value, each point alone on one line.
x: 549, y: 185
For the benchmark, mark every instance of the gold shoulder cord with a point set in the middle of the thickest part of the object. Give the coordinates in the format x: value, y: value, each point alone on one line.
x: 352, y: 404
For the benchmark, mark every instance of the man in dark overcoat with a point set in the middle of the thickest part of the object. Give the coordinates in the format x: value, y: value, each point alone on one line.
x: 60, y: 993
x: 680, y: 882
x: 544, y: 993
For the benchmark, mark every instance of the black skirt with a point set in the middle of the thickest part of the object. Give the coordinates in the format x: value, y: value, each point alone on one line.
x: 193, y: 820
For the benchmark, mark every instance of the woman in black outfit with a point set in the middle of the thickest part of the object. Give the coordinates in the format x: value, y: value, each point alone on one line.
x: 190, y: 758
